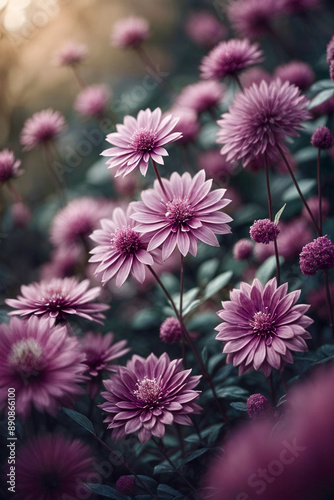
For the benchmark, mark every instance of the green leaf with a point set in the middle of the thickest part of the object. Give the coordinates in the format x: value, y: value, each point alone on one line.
x: 210, y: 432
x: 106, y: 491
x: 305, y: 185
x: 207, y: 270
x: 233, y: 391
x: 321, y: 85
x: 163, y: 469
x: 188, y: 298
x: 193, y: 456
x: 217, y: 284
x: 205, y: 354
x: 164, y: 488
x: 278, y: 215
x: 98, y: 173
x: 268, y: 269
x: 323, y: 96
x: 239, y: 406
x: 306, y: 154
x: 80, y: 419
x: 145, y: 318
x: 149, y: 481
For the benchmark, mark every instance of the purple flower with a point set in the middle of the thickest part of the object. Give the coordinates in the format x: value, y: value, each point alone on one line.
x: 297, y: 73
x: 254, y: 75
x: 264, y: 231
x: 322, y: 138
x: 129, y: 32
x: 243, y: 249
x: 41, y: 363
x: 330, y: 50
x: 58, y: 298
x: 71, y: 54
x: 182, y: 215
x: 170, y: 330
x: 9, y: 166
x: 261, y: 326
x: 319, y: 254
x: 188, y: 125
x: 92, y: 100
x: 148, y: 394
x: 20, y: 213
x: 138, y: 140
x: 252, y: 18
x: 205, y: 29
x: 228, y: 58
x: 53, y: 467
x: 201, y: 96
x: 126, y: 485
x: 260, y: 119
x: 120, y: 249
x: 99, y: 351
x: 41, y: 127
x: 258, y: 406
x: 216, y: 166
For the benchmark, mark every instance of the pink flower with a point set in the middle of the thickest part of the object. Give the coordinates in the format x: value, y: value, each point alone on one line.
x: 260, y: 119
x: 62, y: 264
x: 216, y: 166
x: 130, y: 32
x: 9, y: 166
x: 148, y: 394
x: 201, y: 96
x: 205, y: 29
x: 73, y: 224
x: 99, y: 351
x: 254, y: 75
x: 43, y: 126
x: 262, y: 326
x: 58, y: 298
x: 298, y: 73
x: 53, y: 467
x: 229, y: 58
x: 316, y: 255
x: 21, y: 214
x: 120, y: 249
x: 92, y: 100
x: 252, y: 18
x: 42, y: 364
x: 138, y: 140
x: 71, y: 54
x: 187, y: 212
x: 188, y: 125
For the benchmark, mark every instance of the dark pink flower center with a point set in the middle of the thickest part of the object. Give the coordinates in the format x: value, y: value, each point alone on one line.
x: 126, y: 240
x: 263, y: 325
x: 27, y: 357
x: 179, y: 212
x: 143, y: 140
x: 148, y: 390
x: 55, y: 300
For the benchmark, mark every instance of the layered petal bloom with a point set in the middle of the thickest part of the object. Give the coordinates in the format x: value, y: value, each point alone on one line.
x: 229, y: 58
x: 298, y: 73
x: 42, y: 364
x: 252, y: 18
x: 201, y: 96
x: 41, y: 127
x: 53, y: 467
x: 139, y: 139
x: 205, y: 29
x: 120, y: 249
x: 9, y: 166
x: 71, y: 54
x: 148, y: 394
x: 183, y: 214
x: 262, y: 326
x: 92, y: 100
x: 260, y: 119
x: 100, y: 351
x: 57, y: 299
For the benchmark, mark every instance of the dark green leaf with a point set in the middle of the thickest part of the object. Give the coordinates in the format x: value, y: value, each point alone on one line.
x: 207, y: 270
x: 205, y: 354
x: 193, y: 456
x: 306, y: 154
x: 239, y: 406
x: 163, y: 469
x: 106, y: 491
x: 268, y: 269
x: 149, y: 481
x: 164, y: 488
x: 321, y: 85
x: 323, y: 96
x: 305, y: 185
x: 217, y: 284
x: 279, y: 213
x: 80, y: 419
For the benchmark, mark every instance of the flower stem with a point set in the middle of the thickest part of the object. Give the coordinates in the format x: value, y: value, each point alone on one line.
x: 158, y: 177
x: 14, y: 192
x: 193, y: 348
x: 319, y: 191
x: 298, y: 188
x: 57, y: 184
x: 237, y: 80
x: 270, y: 206
x: 329, y: 301
x: 181, y: 308
x: 78, y: 78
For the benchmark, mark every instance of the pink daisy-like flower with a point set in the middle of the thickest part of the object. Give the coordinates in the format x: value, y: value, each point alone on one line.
x: 298, y: 73
x: 120, y: 249
x: 92, y: 100
x: 73, y: 224
x: 262, y: 326
x: 139, y: 139
x: 185, y: 213
x: 41, y: 127
x: 148, y: 394
x: 58, y: 298
x: 42, y: 364
x: 205, y: 29
x: 130, y: 32
x: 71, y: 54
x: 53, y: 467
x: 201, y: 96
x: 260, y: 119
x: 229, y: 58
x: 252, y: 18
x: 9, y: 166
x: 100, y: 351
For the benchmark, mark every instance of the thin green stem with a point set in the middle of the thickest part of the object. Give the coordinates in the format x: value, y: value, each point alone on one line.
x: 270, y: 207
x: 237, y: 79
x: 78, y: 77
x: 319, y: 190
x: 158, y: 177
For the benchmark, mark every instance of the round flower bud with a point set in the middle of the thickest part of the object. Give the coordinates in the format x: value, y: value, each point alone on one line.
x: 170, y: 330
x: 319, y: 254
x: 264, y: 231
x: 243, y: 249
x: 258, y: 406
x: 322, y: 138
x: 126, y: 485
